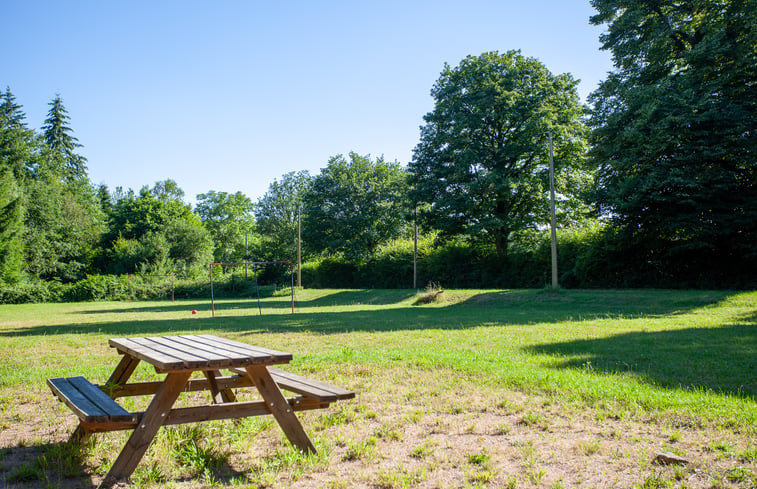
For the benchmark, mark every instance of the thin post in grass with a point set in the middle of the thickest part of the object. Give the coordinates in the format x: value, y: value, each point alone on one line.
x: 552, y: 213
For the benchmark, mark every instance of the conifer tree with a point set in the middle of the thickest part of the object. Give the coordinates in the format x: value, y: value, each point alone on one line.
x: 14, y: 137
x: 58, y: 137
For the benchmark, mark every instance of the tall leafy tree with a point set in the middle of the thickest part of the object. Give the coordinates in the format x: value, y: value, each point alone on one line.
x: 674, y: 130
x: 57, y: 134
x: 155, y: 232
x: 481, y: 165
x: 354, y: 205
x: 276, y: 214
x: 230, y: 221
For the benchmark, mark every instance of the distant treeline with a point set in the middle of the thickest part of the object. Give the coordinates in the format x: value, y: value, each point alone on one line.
x: 655, y: 183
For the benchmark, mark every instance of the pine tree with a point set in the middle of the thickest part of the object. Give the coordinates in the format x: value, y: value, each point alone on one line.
x: 13, y: 139
x: 57, y: 135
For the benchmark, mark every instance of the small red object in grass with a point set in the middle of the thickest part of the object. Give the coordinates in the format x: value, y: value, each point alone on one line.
x: 194, y: 311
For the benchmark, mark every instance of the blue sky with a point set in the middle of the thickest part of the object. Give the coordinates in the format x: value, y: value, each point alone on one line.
x: 230, y: 95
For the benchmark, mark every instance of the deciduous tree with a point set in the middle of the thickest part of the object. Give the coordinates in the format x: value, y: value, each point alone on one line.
x: 229, y: 219
x: 674, y: 130
x: 481, y: 166
x: 354, y: 205
x: 276, y: 215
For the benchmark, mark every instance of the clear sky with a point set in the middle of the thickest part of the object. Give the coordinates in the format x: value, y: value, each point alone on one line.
x: 230, y: 95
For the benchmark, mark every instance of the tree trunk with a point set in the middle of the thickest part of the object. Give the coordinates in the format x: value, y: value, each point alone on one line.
x: 500, y: 242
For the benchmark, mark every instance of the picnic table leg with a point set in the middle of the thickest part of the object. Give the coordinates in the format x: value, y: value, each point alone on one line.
x: 219, y: 395
x: 280, y: 408
x: 120, y: 376
x: 123, y: 370
x: 151, y: 421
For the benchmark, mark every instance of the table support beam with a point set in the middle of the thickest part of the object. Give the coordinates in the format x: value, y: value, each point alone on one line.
x: 152, y: 420
x: 280, y: 408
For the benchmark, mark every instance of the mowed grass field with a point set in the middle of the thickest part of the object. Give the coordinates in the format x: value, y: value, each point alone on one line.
x: 481, y: 388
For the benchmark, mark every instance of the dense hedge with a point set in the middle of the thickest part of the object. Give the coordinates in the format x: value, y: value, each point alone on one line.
x: 591, y: 257
x: 122, y: 287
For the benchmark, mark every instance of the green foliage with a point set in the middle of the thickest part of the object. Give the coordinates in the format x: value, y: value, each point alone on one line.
x: 33, y: 292
x: 57, y: 136
x: 276, y: 214
x: 15, y: 151
x: 354, y: 205
x: 155, y: 233
x: 11, y: 226
x: 481, y: 167
x: 229, y: 219
x: 674, y: 139
x: 589, y: 256
x: 98, y: 288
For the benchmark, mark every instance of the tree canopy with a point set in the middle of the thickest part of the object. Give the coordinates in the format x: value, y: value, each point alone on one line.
x: 59, y: 139
x: 276, y: 214
x: 481, y: 165
x: 674, y: 128
x: 354, y: 205
x: 229, y: 219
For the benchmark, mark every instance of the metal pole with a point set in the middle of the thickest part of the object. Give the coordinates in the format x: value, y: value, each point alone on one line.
x: 245, y: 255
x: 552, y: 212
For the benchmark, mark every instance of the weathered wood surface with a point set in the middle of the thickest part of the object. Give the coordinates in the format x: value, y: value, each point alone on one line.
x: 306, y: 386
x: 88, y: 402
x: 148, y: 426
x: 196, y: 352
x: 280, y: 408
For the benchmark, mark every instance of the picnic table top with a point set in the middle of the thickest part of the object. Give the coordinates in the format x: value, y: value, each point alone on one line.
x: 196, y: 352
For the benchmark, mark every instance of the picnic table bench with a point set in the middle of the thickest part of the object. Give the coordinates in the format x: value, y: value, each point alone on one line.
x: 179, y: 357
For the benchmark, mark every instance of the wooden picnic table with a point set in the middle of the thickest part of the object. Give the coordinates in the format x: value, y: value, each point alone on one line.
x: 178, y: 357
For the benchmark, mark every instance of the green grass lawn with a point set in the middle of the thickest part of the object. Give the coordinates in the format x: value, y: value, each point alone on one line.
x: 535, y: 366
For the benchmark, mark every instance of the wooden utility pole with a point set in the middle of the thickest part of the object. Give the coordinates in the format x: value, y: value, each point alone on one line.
x: 552, y: 212
x: 299, y: 247
x: 415, y: 248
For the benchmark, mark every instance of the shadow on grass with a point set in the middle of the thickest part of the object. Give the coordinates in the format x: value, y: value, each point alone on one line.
x: 62, y: 465
x: 43, y: 465
x: 282, y: 302
x: 502, y: 308
x: 720, y: 359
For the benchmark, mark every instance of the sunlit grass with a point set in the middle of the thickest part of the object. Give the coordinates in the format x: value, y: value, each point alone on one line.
x: 675, y: 358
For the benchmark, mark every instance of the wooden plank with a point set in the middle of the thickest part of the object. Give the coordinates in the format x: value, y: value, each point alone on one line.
x: 212, y: 343
x: 149, y: 388
x: 189, y: 351
x: 200, y: 352
x: 280, y: 408
x: 85, y: 409
x: 198, y: 414
x: 265, y: 355
x: 236, y: 410
x: 145, y: 353
x: 148, y: 426
x: 114, y: 411
x: 307, y: 386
